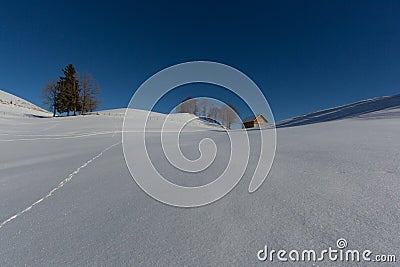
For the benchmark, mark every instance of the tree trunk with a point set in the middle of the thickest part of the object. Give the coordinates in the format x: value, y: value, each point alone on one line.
x: 54, y: 106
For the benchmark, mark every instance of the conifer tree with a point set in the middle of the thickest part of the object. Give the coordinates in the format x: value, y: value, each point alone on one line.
x: 72, y: 93
x: 69, y: 91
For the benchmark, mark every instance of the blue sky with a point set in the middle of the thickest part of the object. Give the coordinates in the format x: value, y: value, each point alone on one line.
x: 304, y: 55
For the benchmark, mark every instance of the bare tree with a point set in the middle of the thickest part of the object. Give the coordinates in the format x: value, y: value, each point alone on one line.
x: 229, y: 114
x: 189, y: 105
x: 49, y: 95
x: 183, y: 106
x: 203, y: 105
x: 86, y: 84
x: 225, y: 115
x: 214, y: 113
x: 94, y: 101
x: 179, y: 109
x: 89, y: 93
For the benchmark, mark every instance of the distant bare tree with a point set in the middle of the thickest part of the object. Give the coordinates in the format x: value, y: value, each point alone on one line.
x: 203, y: 105
x: 226, y: 115
x: 195, y: 105
x: 189, y: 105
x: 215, y: 113
x: 229, y: 115
x: 211, y: 113
x: 49, y: 95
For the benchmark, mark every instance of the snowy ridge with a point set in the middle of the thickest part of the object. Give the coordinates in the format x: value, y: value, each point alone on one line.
x: 155, y: 117
x: 375, y: 107
x: 13, y: 106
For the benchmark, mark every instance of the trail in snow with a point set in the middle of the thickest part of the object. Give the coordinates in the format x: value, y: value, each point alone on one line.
x: 60, y: 185
x: 59, y: 137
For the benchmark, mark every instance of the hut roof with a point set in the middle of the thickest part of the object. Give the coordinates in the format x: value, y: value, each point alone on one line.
x: 253, y: 118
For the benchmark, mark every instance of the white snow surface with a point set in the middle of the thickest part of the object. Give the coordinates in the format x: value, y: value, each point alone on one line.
x: 67, y: 197
x: 13, y: 106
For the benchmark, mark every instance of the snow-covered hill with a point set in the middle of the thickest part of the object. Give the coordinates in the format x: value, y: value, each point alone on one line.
x: 67, y: 197
x: 157, y: 119
x: 375, y: 107
x: 14, y: 106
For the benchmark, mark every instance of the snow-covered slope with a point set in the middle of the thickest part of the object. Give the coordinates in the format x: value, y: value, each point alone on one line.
x: 67, y: 197
x: 374, y: 107
x: 156, y: 119
x: 11, y: 105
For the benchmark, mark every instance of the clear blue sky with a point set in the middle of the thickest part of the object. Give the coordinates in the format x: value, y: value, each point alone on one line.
x: 304, y: 55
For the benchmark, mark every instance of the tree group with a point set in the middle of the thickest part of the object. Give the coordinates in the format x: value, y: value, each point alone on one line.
x: 226, y: 114
x: 72, y: 92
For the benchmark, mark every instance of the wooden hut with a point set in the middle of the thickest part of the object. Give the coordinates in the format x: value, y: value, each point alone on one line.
x: 254, y: 121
